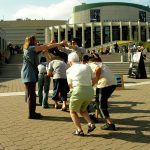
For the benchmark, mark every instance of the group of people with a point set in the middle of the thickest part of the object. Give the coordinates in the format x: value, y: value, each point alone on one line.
x: 71, y: 70
x: 132, y: 48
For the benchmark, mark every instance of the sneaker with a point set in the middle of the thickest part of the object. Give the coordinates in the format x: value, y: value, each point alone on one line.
x: 108, y: 127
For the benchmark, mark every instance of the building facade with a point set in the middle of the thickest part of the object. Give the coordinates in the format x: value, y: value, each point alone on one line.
x: 99, y: 23
x: 17, y: 30
x: 3, y: 41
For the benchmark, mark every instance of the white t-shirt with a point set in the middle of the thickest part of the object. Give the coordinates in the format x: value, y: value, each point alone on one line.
x: 42, y: 68
x: 58, y: 67
x: 79, y: 75
x: 107, y: 77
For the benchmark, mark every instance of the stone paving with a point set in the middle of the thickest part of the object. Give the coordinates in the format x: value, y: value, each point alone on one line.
x: 130, y: 109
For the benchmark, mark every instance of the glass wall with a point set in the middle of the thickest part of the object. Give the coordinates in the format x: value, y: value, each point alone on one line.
x: 143, y: 33
x: 62, y: 35
x: 70, y: 34
x: 97, y: 36
x: 125, y: 33
x: 87, y: 37
x: 135, y: 33
x: 115, y: 33
x: 106, y: 34
x: 79, y: 35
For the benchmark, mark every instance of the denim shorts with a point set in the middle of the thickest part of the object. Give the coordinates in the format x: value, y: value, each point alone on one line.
x: 60, y: 86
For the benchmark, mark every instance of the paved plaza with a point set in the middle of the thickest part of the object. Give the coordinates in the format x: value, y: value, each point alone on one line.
x: 130, y: 109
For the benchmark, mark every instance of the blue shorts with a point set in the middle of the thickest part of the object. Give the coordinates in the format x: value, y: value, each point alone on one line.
x: 60, y: 86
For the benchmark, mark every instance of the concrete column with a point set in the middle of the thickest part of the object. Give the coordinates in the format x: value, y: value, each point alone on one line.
x: 130, y: 31
x: 139, y: 31
x: 101, y: 33
x: 147, y: 32
x: 111, y: 39
x: 59, y: 38
x: 47, y: 35
x: 66, y: 33
x: 74, y: 30
x: 92, y: 42
x: 120, y: 31
x: 83, y: 35
x: 52, y: 33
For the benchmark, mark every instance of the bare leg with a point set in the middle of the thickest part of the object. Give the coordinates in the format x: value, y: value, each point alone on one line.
x: 91, y: 126
x: 109, y: 120
x: 56, y: 104
x: 96, y: 113
x: 64, y: 104
x: 76, y: 120
x: 86, y: 117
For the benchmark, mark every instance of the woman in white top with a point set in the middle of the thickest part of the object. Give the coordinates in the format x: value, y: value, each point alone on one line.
x: 106, y: 84
x: 79, y: 77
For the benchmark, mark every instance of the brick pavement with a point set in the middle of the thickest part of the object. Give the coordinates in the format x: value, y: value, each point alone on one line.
x: 130, y: 109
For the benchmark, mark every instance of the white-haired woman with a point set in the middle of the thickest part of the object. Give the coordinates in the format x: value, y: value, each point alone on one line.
x: 79, y: 77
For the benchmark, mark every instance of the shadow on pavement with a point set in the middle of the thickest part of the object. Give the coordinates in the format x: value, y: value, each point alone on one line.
x: 55, y: 118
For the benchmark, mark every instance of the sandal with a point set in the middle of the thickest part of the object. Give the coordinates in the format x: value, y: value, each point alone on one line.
x: 91, y: 128
x: 78, y: 133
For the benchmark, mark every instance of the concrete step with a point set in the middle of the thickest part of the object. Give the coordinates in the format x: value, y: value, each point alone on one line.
x: 10, y: 71
x: 123, y: 68
x: 118, y: 67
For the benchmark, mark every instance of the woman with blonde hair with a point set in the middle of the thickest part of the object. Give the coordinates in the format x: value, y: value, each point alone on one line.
x: 29, y: 72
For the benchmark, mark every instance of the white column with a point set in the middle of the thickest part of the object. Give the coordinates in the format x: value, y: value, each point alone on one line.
x: 74, y: 30
x: 111, y: 39
x: 66, y: 33
x: 120, y: 31
x: 52, y: 33
x: 130, y: 31
x: 139, y: 31
x: 59, y: 40
x: 92, y: 42
x: 101, y: 33
x: 83, y: 37
x: 147, y: 32
x: 47, y: 35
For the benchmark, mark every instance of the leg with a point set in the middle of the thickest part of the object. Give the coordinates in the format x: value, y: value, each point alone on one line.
x: 31, y: 98
x: 26, y: 94
x: 55, y: 96
x: 40, y: 88
x: 76, y: 120
x: 103, y: 107
x: 46, y: 92
x: 63, y: 88
x: 86, y: 116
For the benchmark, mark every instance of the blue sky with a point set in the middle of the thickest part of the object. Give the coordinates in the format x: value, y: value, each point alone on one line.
x: 47, y: 9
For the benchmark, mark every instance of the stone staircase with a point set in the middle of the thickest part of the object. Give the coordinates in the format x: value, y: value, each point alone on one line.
x: 13, y: 69
x: 116, y: 57
x: 118, y: 67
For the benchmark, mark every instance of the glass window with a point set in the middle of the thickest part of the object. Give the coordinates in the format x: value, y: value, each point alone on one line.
x: 142, y: 16
x: 95, y: 15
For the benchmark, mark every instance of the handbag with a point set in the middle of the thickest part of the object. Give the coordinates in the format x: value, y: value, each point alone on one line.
x: 27, y: 60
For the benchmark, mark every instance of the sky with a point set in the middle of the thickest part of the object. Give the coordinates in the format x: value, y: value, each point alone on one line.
x: 47, y: 9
